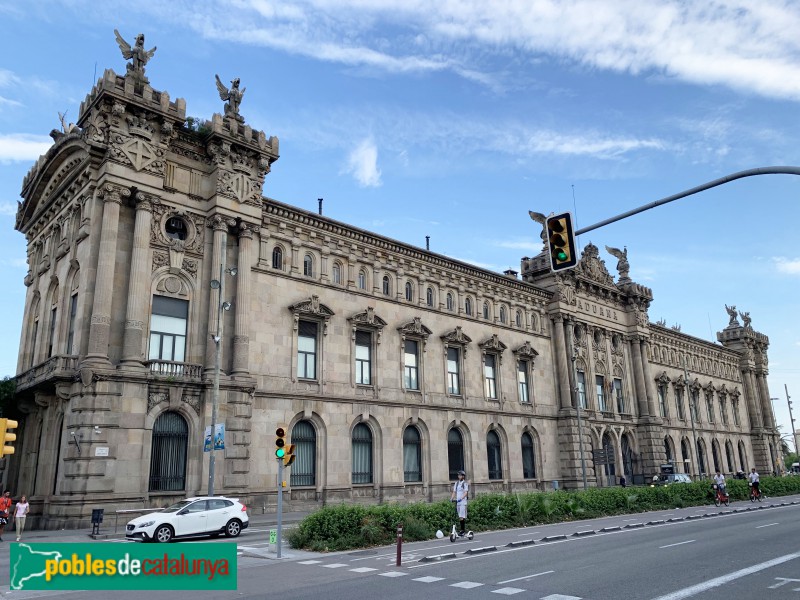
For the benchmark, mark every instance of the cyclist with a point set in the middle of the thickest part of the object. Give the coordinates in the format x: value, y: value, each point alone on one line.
x: 754, y: 482
x: 459, y: 496
x: 719, y: 479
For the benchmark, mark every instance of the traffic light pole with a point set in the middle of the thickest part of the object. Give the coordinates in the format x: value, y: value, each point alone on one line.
x: 280, y: 505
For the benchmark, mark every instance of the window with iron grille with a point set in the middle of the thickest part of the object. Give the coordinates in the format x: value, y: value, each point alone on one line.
x: 493, y: 453
x: 362, y: 454
x: 304, y: 438
x: 307, y: 350
x: 363, y: 357
x: 528, y: 457
x: 411, y: 365
x: 455, y: 453
x: 412, y: 455
x: 168, y: 453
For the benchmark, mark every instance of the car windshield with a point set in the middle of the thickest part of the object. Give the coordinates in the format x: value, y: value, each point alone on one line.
x: 177, y: 506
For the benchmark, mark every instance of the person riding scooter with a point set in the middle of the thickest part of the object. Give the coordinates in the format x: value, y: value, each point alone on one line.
x: 459, y: 496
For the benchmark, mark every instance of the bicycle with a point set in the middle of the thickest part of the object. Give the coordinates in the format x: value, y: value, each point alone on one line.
x: 755, y: 494
x: 721, y: 496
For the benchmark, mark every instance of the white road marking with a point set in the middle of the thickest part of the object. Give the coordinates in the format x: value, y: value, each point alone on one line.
x: 335, y: 566
x: 527, y: 534
x: 363, y: 570
x: 526, y: 577
x: 310, y: 562
x: 393, y: 574
x: 561, y: 597
x: 678, y: 544
x: 770, y: 525
x: 718, y: 581
x: 507, y: 591
x: 783, y: 581
x: 467, y: 585
x: 428, y: 579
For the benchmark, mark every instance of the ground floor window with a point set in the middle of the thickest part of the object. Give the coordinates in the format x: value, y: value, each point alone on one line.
x: 168, y: 453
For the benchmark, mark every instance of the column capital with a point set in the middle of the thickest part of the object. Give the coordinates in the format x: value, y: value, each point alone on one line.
x: 246, y: 230
x: 113, y: 193
x: 220, y: 222
x: 145, y: 201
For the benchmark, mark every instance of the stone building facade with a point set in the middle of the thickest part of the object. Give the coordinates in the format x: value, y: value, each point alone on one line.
x: 392, y: 366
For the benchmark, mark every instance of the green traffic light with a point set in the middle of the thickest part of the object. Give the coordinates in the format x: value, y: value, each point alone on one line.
x: 561, y: 255
x: 280, y: 452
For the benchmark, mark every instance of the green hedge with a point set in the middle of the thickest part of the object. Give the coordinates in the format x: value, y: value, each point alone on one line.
x: 349, y: 526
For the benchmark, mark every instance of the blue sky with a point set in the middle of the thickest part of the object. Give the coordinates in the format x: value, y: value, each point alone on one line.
x: 453, y: 119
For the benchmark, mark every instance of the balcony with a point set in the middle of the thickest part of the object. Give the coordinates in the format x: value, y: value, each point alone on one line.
x: 60, y: 366
x: 175, y: 371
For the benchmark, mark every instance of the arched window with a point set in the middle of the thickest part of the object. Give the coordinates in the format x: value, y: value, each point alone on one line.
x: 362, y: 454
x: 729, y: 456
x: 485, y: 310
x: 518, y: 319
x: 429, y: 297
x: 362, y: 279
x: 387, y: 287
x: 277, y: 258
x: 168, y: 453
x: 668, y: 449
x: 304, y: 439
x: 715, y: 455
x: 503, y: 314
x: 455, y: 453
x: 528, y: 457
x: 308, y: 266
x: 701, y: 458
x: 337, y: 274
x: 412, y: 455
x: 449, y: 301
x: 742, y: 461
x: 686, y: 457
x: 493, y: 454
x: 409, y: 291
x: 468, y: 306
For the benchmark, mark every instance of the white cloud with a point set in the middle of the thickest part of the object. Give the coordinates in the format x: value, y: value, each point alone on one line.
x: 790, y: 266
x: 15, y: 147
x: 531, y: 247
x: 749, y: 46
x: 8, y: 209
x: 362, y: 164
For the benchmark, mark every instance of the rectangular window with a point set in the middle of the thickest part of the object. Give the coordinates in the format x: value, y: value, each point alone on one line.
x: 693, y: 407
x: 618, y: 395
x: 53, y: 314
x: 582, y: 389
x: 411, y: 365
x: 662, y: 400
x: 735, y: 405
x: 73, y: 311
x: 600, y: 386
x: 679, y: 402
x: 490, y: 376
x: 307, y: 350
x: 453, y: 371
x: 710, y: 407
x: 363, y: 357
x: 33, y: 341
x: 168, y: 329
x: 522, y: 381
x: 723, y: 411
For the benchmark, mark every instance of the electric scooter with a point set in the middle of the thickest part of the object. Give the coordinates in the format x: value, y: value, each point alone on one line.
x: 454, y: 533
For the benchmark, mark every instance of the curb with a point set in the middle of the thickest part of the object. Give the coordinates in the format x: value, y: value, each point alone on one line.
x: 438, y: 557
x: 520, y: 543
x: 481, y: 550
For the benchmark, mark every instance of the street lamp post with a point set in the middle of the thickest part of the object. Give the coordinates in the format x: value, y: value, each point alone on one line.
x: 692, y: 409
x: 791, y: 419
x: 217, y: 284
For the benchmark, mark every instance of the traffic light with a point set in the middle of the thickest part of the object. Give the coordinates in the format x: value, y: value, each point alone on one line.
x: 7, y: 438
x: 561, y: 242
x: 280, y: 441
x: 289, y: 457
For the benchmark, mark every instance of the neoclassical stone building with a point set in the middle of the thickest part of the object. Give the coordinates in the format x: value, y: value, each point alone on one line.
x: 392, y: 366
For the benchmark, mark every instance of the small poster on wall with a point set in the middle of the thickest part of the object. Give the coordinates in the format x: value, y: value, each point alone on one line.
x: 219, y: 438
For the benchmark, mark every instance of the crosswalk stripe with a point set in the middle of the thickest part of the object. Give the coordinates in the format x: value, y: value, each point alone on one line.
x: 508, y: 591
x: 363, y: 570
x: 393, y: 574
x: 335, y: 566
x: 428, y: 579
x: 467, y: 585
x: 310, y: 562
x: 560, y: 597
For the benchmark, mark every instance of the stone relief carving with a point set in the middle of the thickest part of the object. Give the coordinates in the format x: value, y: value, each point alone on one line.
x: 493, y: 344
x: 526, y: 352
x: 312, y: 308
x: 156, y: 398
x: 192, y: 400
x: 593, y: 267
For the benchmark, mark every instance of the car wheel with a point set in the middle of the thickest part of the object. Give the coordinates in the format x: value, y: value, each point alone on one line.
x: 233, y: 528
x: 163, y: 534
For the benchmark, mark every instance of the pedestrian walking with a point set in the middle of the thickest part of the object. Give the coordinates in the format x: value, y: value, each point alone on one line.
x: 5, y: 507
x: 20, y: 512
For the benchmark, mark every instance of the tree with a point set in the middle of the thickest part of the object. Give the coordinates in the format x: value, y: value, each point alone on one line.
x: 8, y: 405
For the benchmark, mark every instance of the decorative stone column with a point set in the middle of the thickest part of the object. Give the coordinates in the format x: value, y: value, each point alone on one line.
x: 220, y: 226
x: 139, y: 279
x: 753, y: 405
x: 638, y: 375
x: 100, y: 326
x: 562, y: 362
x: 650, y: 383
x: 241, y: 339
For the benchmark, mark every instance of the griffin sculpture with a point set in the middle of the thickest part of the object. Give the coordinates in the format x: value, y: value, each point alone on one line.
x: 137, y: 55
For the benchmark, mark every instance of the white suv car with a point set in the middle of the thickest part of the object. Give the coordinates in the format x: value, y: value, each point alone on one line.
x: 207, y: 515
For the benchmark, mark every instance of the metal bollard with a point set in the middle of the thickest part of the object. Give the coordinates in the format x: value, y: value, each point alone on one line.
x: 399, y: 543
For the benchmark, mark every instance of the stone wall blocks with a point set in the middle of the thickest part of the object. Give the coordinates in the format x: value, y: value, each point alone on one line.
x: 237, y: 424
